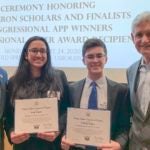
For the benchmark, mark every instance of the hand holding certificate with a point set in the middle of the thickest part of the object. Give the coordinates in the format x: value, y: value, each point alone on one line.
x: 88, y: 127
x: 36, y: 115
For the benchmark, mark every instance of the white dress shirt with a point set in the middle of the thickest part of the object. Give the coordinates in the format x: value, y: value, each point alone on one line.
x: 101, y: 93
x: 143, y: 90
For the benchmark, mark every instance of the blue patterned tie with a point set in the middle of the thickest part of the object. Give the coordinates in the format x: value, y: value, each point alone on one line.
x: 92, y: 104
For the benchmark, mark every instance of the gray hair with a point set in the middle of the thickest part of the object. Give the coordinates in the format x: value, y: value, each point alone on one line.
x: 142, y: 17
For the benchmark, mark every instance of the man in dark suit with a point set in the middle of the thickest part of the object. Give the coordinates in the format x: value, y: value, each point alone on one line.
x: 3, y: 81
x: 138, y: 76
x: 110, y: 96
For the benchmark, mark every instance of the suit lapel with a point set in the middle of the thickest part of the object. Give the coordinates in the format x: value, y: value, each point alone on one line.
x: 134, y: 77
x: 78, y: 93
x: 110, y: 95
x: 147, y: 114
x: 134, y: 81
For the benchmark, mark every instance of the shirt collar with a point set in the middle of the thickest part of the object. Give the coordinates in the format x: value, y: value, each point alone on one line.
x: 144, y: 67
x: 100, y: 82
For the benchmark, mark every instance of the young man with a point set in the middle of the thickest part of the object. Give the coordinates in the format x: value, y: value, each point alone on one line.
x: 3, y: 81
x: 110, y: 96
x: 139, y: 83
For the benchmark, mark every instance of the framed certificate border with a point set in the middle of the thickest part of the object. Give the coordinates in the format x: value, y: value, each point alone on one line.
x: 88, y: 127
x: 36, y: 115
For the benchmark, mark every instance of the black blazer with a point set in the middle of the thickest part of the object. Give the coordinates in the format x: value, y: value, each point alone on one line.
x: 118, y: 104
x: 34, y: 143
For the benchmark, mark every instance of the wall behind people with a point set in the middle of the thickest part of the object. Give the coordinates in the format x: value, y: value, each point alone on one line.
x: 74, y: 74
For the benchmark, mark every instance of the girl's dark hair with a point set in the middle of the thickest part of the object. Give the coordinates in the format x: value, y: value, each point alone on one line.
x: 23, y: 73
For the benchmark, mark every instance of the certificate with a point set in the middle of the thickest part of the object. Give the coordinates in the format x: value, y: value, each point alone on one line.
x: 88, y: 127
x: 36, y: 115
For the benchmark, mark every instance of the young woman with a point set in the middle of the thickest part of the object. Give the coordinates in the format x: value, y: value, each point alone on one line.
x: 36, y: 78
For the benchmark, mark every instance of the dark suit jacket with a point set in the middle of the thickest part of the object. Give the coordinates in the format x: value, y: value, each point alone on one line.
x: 118, y: 104
x: 3, y: 81
x: 140, y: 129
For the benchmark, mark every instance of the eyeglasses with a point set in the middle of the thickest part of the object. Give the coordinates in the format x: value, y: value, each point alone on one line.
x: 92, y: 56
x: 36, y: 50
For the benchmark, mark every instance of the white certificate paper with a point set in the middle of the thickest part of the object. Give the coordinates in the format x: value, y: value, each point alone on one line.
x: 88, y: 127
x: 36, y: 115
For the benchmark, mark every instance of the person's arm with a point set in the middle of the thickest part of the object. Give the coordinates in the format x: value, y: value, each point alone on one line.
x: 120, y: 121
x: 123, y: 120
x: 64, y: 102
x: 14, y: 138
x: 8, y: 113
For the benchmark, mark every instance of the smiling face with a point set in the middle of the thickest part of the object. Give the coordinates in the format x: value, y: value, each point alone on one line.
x: 95, y: 60
x: 36, y: 55
x: 141, y: 39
